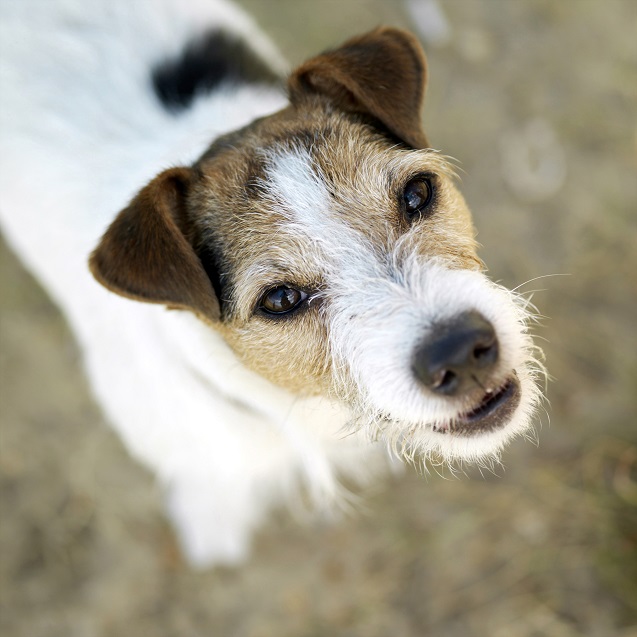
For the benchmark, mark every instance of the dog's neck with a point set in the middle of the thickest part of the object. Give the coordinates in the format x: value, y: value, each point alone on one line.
x: 207, y: 358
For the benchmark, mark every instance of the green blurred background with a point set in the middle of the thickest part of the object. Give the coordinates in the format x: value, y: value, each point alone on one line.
x: 537, y: 100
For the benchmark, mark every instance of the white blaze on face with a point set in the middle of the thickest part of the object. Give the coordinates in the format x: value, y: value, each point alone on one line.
x: 381, y: 306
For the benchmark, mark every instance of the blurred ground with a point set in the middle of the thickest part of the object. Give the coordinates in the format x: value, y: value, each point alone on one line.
x: 537, y: 98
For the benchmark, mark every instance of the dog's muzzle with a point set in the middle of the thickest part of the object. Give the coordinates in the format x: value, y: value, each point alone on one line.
x: 459, y: 360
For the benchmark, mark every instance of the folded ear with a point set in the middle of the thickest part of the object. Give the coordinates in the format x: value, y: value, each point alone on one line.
x: 145, y: 255
x: 382, y: 73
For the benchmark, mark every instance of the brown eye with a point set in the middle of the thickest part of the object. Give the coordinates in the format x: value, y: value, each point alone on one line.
x: 417, y: 196
x: 282, y: 299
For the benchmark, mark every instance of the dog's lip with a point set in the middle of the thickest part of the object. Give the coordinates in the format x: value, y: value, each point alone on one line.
x: 494, y: 411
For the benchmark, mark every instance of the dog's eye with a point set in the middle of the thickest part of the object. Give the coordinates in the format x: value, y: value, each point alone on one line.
x: 281, y: 300
x: 417, y: 195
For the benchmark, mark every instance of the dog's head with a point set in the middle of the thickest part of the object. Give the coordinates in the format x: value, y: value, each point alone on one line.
x: 329, y: 246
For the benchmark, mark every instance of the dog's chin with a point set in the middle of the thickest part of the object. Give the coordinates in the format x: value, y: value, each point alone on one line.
x: 478, y: 433
x: 494, y: 411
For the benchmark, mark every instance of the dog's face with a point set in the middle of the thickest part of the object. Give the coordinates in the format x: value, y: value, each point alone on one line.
x: 329, y: 246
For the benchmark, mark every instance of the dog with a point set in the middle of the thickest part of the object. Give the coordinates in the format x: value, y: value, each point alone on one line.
x: 290, y: 292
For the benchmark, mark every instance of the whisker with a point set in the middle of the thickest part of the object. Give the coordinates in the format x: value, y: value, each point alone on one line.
x: 537, y: 278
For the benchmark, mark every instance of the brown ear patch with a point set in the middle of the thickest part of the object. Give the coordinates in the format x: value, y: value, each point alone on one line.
x: 382, y: 73
x: 144, y: 254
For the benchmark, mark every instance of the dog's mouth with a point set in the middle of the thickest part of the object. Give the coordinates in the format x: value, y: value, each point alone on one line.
x: 493, y: 412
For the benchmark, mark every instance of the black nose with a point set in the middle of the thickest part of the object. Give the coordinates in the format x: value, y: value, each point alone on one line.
x: 458, y: 355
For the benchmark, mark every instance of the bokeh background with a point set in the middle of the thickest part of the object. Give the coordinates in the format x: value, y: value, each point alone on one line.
x: 537, y: 99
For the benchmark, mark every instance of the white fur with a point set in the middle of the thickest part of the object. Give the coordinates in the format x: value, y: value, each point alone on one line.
x: 80, y: 132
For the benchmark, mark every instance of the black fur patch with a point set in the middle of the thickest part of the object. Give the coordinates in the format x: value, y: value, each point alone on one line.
x: 210, y: 262
x: 203, y: 65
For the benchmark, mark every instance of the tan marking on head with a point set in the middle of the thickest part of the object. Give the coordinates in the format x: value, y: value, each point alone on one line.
x: 259, y: 247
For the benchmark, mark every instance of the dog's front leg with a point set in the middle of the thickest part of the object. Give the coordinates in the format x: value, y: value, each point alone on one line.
x: 214, y: 518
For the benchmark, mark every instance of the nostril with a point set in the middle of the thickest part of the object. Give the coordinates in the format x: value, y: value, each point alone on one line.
x: 445, y: 382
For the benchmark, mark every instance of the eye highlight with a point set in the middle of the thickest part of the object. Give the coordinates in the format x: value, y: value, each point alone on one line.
x: 281, y: 300
x: 417, y: 195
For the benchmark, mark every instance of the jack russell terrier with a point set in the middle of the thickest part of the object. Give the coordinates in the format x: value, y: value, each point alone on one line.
x: 294, y: 290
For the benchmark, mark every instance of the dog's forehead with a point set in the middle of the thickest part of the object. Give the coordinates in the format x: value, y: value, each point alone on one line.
x: 289, y: 160
x: 236, y: 164
x: 255, y: 177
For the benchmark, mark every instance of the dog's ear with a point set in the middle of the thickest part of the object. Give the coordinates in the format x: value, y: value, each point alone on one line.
x: 382, y: 73
x: 145, y: 254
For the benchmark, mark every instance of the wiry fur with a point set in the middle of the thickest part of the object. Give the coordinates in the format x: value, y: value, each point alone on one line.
x: 234, y: 409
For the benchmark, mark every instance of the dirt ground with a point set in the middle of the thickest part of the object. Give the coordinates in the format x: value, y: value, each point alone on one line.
x: 537, y: 99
